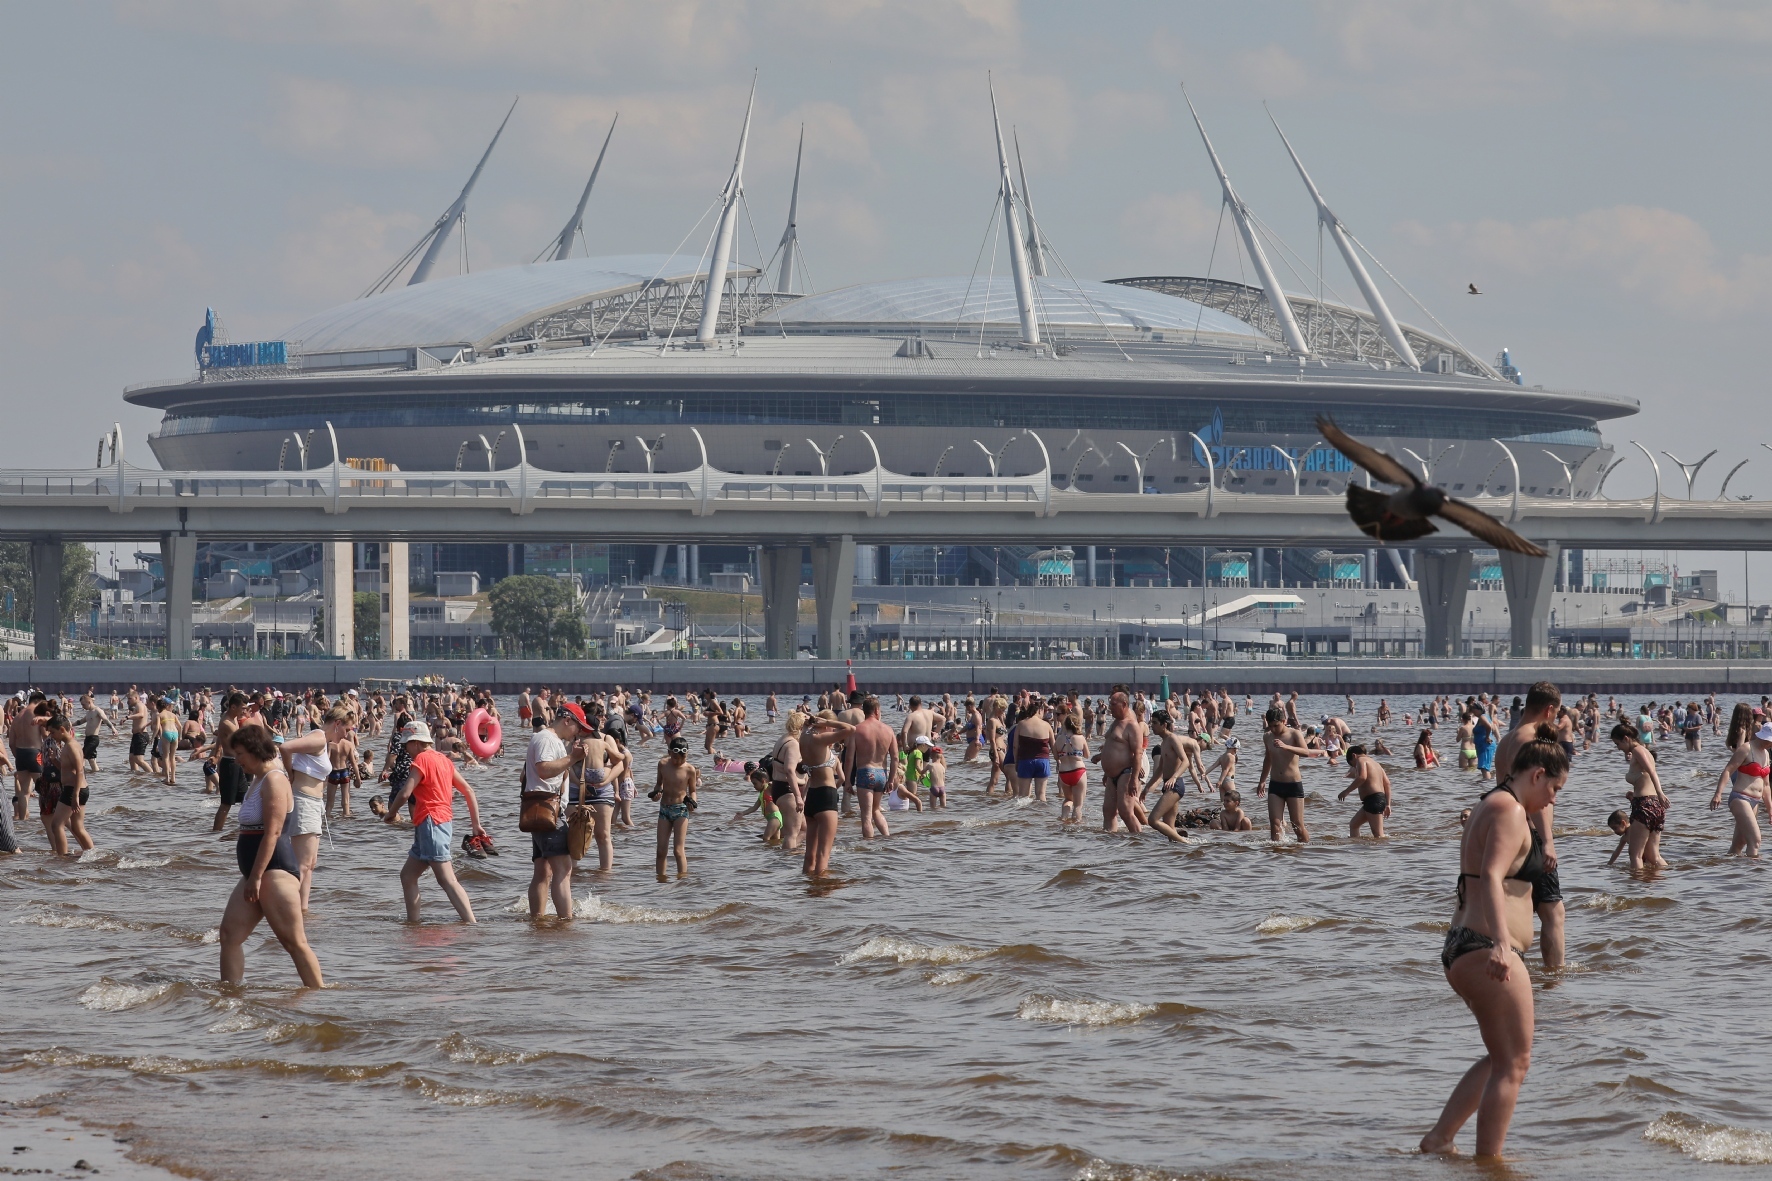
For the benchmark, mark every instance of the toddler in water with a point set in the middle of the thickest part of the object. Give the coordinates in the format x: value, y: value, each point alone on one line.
x: 1619, y: 823
x: 935, y: 767
x: 765, y: 804
x: 1231, y: 817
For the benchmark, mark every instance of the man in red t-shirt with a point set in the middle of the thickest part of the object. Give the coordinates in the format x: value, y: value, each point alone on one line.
x: 432, y: 783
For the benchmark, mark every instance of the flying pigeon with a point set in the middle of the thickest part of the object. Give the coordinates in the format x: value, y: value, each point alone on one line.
x: 1474, y: 290
x: 1403, y: 515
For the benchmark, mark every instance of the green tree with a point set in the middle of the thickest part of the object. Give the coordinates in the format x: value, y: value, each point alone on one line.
x: 79, y: 588
x: 365, y: 623
x: 533, y: 615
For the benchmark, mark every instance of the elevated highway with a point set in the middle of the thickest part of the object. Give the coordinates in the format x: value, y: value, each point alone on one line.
x: 781, y: 513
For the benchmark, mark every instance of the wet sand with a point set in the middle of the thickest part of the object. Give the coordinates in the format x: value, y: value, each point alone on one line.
x: 985, y: 994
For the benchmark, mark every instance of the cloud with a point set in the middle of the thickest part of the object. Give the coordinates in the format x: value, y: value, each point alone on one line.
x: 1657, y: 254
x: 845, y: 218
x: 663, y: 40
x: 160, y: 258
x: 1163, y: 228
x: 1657, y: 20
x: 338, y: 253
x: 1272, y: 72
x: 1436, y: 55
x: 324, y: 119
x: 662, y: 37
x: 952, y: 109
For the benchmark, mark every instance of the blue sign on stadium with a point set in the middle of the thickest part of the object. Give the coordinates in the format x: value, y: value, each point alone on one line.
x: 251, y: 354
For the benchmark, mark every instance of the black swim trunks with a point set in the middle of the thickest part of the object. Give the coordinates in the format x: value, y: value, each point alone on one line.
x: 1376, y: 803
x: 1548, y: 888
x: 89, y: 749
x: 25, y: 759
x: 1282, y: 790
x: 822, y: 799
x: 68, y: 799
x: 230, y: 782
x: 778, y: 790
x: 138, y: 744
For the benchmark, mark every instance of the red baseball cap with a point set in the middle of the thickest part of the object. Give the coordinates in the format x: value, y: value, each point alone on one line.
x: 578, y: 713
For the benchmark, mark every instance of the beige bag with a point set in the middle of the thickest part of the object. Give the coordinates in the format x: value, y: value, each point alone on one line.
x: 580, y: 824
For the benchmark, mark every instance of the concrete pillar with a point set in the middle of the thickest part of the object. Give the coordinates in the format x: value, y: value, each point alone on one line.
x: 866, y: 565
x: 682, y: 564
x: 1528, y: 582
x: 780, y: 573
x: 833, y: 580
x: 1444, y: 579
x: 178, y: 562
x: 396, y: 609
x: 336, y: 587
x: 46, y: 598
x: 658, y: 561
x: 695, y: 565
x: 1091, y: 565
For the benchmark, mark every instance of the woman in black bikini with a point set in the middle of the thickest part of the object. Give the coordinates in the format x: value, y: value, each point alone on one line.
x: 1500, y: 858
x: 824, y: 794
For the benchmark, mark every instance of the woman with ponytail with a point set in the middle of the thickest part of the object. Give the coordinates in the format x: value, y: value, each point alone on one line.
x: 1748, y: 774
x: 1499, y: 861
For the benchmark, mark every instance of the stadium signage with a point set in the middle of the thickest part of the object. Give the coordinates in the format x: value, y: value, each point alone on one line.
x: 1320, y: 458
x: 249, y: 355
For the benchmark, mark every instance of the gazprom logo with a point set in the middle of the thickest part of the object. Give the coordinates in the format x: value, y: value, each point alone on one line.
x: 1320, y: 458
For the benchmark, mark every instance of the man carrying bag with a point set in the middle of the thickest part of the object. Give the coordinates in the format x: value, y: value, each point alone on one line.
x: 551, y: 754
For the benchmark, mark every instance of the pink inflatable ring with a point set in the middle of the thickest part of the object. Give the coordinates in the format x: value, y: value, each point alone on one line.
x: 483, y: 734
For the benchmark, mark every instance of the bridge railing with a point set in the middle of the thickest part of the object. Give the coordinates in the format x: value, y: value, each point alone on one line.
x: 707, y: 489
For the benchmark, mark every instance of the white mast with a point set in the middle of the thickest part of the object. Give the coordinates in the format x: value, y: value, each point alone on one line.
x: 1036, y: 256
x: 790, y: 237
x: 1270, y: 283
x: 562, y: 245
x: 716, y: 281
x: 1018, y: 259
x: 1393, y: 332
x: 446, y: 223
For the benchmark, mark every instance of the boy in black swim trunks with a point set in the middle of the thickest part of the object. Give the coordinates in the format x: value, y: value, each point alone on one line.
x: 1373, y: 783
x: 1283, y: 745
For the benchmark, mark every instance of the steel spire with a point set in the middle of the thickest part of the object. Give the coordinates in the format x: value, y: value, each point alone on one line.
x: 1036, y: 255
x: 715, y: 285
x: 446, y: 223
x: 790, y: 237
x: 1245, y: 225
x: 1018, y: 259
x: 562, y: 245
x: 1393, y: 332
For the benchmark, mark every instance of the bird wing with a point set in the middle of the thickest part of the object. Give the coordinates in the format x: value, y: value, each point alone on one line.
x: 1370, y: 458
x: 1481, y: 525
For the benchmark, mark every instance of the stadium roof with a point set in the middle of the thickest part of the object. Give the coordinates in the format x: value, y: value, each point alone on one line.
x: 1066, y: 304
x: 479, y: 309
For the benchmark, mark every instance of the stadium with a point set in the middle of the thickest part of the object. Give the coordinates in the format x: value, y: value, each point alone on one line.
x: 602, y: 364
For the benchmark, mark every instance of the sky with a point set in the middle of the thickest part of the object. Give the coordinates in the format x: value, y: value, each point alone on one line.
x: 1596, y: 167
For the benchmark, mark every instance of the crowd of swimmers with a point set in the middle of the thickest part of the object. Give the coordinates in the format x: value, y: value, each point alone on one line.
x: 286, y: 766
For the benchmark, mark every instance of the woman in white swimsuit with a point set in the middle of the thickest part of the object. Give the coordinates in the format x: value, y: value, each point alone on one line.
x: 309, y: 764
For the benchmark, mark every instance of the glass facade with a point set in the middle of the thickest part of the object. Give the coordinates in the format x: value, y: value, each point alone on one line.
x: 940, y: 409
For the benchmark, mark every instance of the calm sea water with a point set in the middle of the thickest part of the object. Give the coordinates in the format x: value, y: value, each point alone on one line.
x: 982, y: 995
